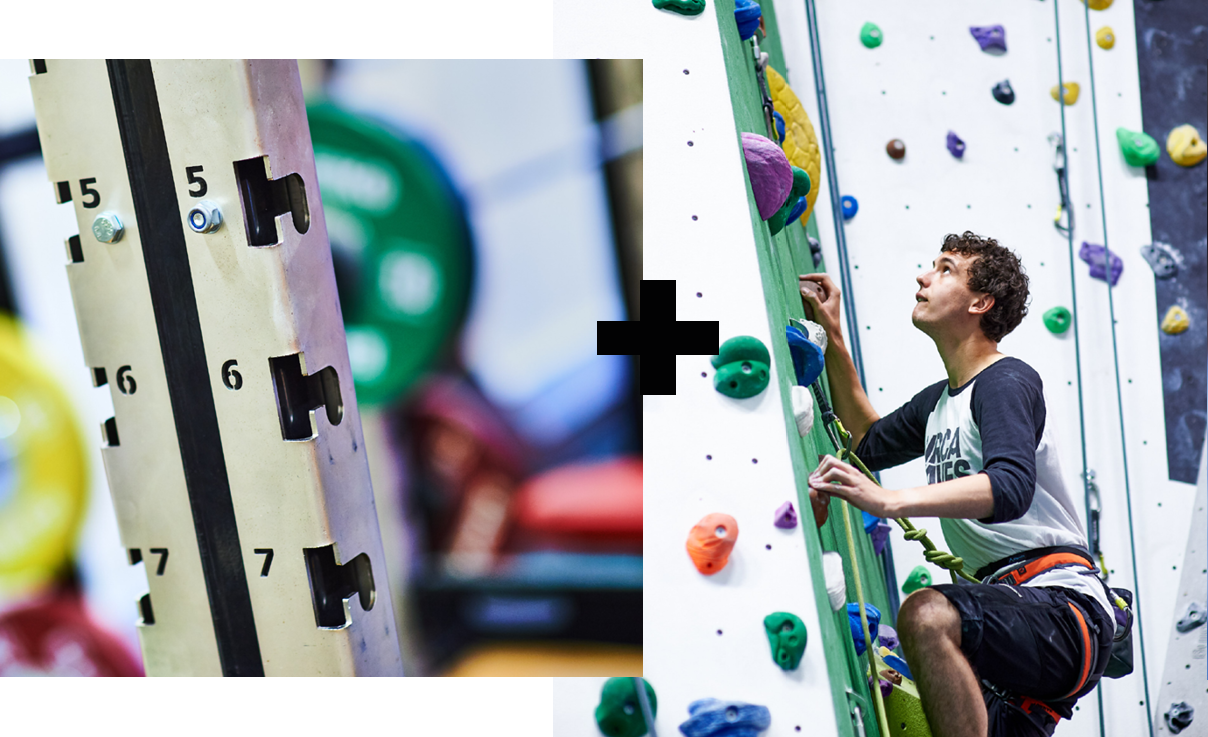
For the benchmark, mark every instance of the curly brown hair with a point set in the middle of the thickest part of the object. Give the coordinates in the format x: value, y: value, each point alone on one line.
x: 996, y: 271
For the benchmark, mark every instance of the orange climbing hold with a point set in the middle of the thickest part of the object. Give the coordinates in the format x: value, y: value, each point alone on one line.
x: 710, y: 542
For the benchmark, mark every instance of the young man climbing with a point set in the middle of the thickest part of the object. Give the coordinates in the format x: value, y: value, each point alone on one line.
x: 1011, y: 655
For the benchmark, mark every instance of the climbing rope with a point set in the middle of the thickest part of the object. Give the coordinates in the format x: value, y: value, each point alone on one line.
x: 869, y: 648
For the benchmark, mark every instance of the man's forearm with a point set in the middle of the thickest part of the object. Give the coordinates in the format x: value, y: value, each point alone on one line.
x: 848, y: 397
x: 969, y: 497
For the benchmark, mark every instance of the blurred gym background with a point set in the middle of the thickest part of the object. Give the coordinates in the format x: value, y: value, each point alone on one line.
x: 505, y: 454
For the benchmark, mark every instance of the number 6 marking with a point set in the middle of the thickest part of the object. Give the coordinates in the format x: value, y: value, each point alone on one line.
x: 125, y: 382
x: 230, y: 377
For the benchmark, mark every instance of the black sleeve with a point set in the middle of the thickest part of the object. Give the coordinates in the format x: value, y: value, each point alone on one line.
x: 898, y: 437
x: 1008, y: 408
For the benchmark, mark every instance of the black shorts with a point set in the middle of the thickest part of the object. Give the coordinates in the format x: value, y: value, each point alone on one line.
x: 1027, y: 641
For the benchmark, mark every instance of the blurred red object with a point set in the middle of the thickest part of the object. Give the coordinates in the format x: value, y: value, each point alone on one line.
x: 595, y: 500
x: 53, y: 635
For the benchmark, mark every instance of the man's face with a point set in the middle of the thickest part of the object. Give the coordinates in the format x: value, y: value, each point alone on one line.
x: 943, y: 297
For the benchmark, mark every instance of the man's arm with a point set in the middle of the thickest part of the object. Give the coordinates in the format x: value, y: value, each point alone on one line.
x: 850, y: 402
x: 969, y: 497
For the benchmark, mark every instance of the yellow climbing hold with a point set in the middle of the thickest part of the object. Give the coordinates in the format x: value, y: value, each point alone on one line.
x: 1186, y: 146
x: 1099, y: 4
x: 1071, y: 92
x: 1105, y: 37
x: 800, y: 142
x: 1176, y: 321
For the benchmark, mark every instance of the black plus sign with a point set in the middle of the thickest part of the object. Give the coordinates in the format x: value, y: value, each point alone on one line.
x: 659, y: 338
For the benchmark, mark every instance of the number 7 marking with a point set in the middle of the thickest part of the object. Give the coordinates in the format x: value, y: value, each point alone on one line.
x: 163, y: 559
x: 268, y: 559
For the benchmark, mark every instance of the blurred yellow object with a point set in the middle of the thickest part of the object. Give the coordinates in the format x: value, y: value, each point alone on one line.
x: 1105, y: 37
x: 1176, y: 321
x: 1071, y: 92
x: 800, y: 142
x: 1099, y: 4
x: 549, y: 659
x: 1186, y: 146
x: 42, y: 469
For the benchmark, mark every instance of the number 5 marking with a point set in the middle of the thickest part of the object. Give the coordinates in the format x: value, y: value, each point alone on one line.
x: 268, y: 559
x: 191, y: 173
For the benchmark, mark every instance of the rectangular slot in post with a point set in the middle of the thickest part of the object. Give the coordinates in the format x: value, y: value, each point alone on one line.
x: 264, y: 199
x: 144, y: 608
x: 74, y: 251
x: 298, y: 394
x: 39, y: 66
x: 98, y: 376
x: 331, y: 584
x: 62, y: 192
x: 109, y: 432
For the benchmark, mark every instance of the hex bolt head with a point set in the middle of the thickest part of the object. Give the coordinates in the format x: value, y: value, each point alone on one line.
x: 205, y: 217
x: 107, y: 228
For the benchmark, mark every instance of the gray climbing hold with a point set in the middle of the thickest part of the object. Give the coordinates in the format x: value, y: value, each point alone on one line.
x: 815, y: 250
x: 1003, y: 92
x: 956, y: 146
x: 786, y: 516
x: 1095, y: 255
x: 1179, y: 716
x: 1160, y: 260
x: 990, y: 37
x: 1192, y: 618
x: 716, y: 718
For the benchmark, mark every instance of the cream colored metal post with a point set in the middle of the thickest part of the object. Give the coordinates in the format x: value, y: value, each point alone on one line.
x: 203, y: 284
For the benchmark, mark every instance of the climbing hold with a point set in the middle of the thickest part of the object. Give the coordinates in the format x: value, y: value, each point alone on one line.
x: 919, y: 578
x: 710, y: 542
x: 1094, y: 255
x: 891, y: 675
x: 1160, y: 260
x: 787, y: 636
x: 742, y: 367
x: 1070, y: 95
x: 815, y: 250
x: 800, y: 142
x: 1099, y: 4
x: 1192, y: 618
x: 808, y: 359
x: 893, y: 661
x: 956, y: 146
x: 786, y: 516
x: 1139, y: 148
x: 857, y: 629
x: 886, y: 687
x: 850, y: 206
x: 683, y: 7
x: 620, y: 713
x: 1105, y: 37
x: 813, y: 288
x: 803, y: 409
x: 779, y: 126
x: 1003, y: 92
x: 770, y: 172
x: 880, y: 536
x: 716, y: 718
x: 836, y: 584
x: 1057, y: 320
x: 990, y: 37
x: 1179, y: 717
x: 896, y: 149
x: 1176, y: 320
x: 776, y: 222
x: 798, y: 210
x: 800, y: 188
x: 815, y: 332
x: 746, y: 15
x: 888, y: 637
x: 1186, y: 146
x: 870, y: 35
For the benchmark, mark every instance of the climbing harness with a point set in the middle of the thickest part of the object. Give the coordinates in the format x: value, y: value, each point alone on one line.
x: 1064, y: 220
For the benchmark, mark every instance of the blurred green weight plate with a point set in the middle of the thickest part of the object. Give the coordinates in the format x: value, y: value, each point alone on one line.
x: 42, y: 469
x: 401, y: 246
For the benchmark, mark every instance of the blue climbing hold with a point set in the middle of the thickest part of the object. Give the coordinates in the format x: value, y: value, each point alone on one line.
x: 850, y: 206
x: 898, y: 664
x: 870, y: 521
x: 808, y: 359
x: 797, y: 210
x: 857, y: 631
x: 779, y: 126
x: 746, y: 15
x: 717, y: 718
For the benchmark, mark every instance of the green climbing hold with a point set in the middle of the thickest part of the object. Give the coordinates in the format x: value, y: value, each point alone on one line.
x: 683, y: 7
x: 870, y: 35
x: 620, y: 713
x: 742, y: 367
x: 919, y: 578
x: 787, y: 635
x: 1057, y: 320
x: 1139, y: 148
x: 801, y: 187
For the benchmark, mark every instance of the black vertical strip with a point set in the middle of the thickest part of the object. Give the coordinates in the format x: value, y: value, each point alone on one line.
x: 161, y: 230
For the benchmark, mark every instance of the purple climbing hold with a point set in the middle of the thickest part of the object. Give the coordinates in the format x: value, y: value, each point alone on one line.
x: 746, y: 15
x: 990, y: 37
x: 956, y: 146
x: 1094, y: 255
x: 786, y: 516
x: 886, y: 687
x: 880, y: 536
x: 888, y: 637
x: 770, y: 172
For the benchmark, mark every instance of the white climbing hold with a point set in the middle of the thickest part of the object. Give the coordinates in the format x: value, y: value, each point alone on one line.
x: 803, y: 409
x: 836, y: 585
x: 815, y: 332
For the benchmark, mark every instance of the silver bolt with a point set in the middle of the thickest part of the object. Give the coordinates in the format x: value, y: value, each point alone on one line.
x: 205, y: 217
x: 107, y: 228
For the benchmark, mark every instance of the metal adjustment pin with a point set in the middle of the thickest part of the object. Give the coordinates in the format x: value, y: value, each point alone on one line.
x: 205, y: 217
x: 107, y: 228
